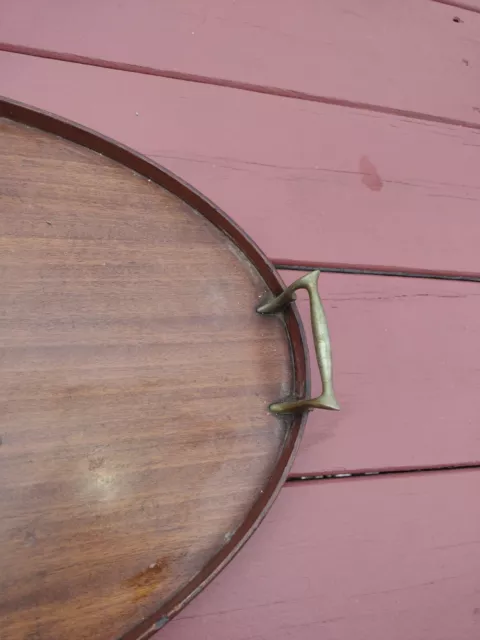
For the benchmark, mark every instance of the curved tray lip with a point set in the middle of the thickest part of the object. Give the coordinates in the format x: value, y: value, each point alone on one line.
x: 85, y: 137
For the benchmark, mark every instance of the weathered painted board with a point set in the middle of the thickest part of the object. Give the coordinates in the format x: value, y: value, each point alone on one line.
x: 407, y: 55
x: 407, y: 374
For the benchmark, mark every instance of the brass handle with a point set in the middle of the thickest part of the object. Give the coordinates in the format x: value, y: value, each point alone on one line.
x: 321, y: 337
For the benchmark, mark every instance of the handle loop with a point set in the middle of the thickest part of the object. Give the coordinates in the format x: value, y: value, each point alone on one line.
x: 321, y: 337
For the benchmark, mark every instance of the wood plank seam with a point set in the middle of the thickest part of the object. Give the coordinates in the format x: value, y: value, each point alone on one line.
x: 299, y: 478
x: 459, y: 5
x: 395, y: 272
x: 232, y: 84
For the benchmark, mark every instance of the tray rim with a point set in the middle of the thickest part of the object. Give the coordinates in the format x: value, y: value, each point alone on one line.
x: 97, y: 142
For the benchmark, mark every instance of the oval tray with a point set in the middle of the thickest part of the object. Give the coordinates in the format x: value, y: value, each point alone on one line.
x: 137, y: 450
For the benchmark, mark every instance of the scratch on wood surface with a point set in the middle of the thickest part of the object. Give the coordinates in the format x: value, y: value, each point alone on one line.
x: 370, y: 296
x: 408, y: 587
x: 467, y: 543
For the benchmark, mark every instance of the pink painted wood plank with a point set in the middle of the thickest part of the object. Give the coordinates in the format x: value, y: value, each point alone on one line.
x: 407, y: 55
x: 370, y: 559
x: 406, y: 368
x: 311, y: 183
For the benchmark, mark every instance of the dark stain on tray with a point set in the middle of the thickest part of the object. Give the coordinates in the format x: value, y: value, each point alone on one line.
x: 148, y: 580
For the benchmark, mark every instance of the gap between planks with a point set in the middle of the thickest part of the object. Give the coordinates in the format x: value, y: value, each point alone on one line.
x: 459, y: 5
x: 365, y: 270
x: 299, y: 478
x: 231, y: 84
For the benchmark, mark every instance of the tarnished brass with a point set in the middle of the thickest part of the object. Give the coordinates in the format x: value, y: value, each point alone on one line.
x: 321, y: 337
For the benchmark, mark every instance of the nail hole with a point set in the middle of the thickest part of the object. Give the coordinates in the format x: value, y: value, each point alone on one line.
x: 457, y: 19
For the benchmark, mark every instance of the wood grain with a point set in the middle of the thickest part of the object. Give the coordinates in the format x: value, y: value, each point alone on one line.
x: 406, y: 375
x: 309, y: 183
x: 135, y: 379
x: 346, y: 50
x: 393, y: 558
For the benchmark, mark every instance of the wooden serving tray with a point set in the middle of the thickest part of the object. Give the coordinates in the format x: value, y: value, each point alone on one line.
x: 138, y: 452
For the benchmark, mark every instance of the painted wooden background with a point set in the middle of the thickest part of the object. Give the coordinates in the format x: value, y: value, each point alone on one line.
x: 342, y: 134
